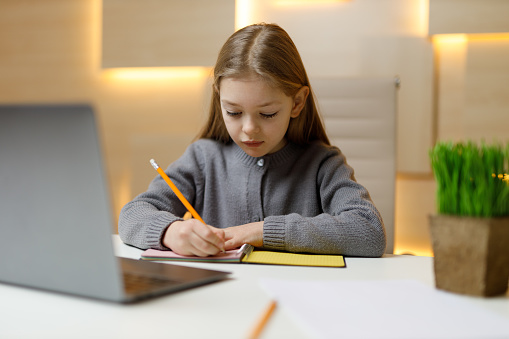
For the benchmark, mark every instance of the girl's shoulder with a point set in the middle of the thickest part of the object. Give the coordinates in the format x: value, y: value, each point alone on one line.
x: 324, y: 157
x: 207, y: 146
x: 207, y: 149
x: 320, y: 149
x: 200, y: 154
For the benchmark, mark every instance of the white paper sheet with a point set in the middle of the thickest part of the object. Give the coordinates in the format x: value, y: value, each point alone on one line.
x: 383, y: 309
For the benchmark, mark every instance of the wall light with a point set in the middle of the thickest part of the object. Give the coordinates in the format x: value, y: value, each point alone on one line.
x: 243, y: 12
x: 155, y: 73
x: 488, y: 37
x: 449, y: 39
x: 306, y: 2
x: 463, y: 38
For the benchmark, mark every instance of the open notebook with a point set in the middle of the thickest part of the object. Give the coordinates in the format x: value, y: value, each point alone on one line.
x: 248, y: 255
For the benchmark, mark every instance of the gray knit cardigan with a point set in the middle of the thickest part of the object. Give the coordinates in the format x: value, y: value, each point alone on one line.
x: 307, y: 197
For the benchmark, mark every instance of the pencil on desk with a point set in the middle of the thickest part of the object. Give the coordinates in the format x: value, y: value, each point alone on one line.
x: 176, y: 191
x: 263, y: 320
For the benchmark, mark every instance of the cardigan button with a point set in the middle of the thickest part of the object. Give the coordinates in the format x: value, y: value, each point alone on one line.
x: 260, y: 162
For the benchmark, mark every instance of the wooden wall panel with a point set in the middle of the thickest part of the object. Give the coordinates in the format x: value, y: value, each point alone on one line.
x: 468, y: 16
x: 473, y: 94
x: 486, y: 115
x: 451, y: 67
x: 153, y: 33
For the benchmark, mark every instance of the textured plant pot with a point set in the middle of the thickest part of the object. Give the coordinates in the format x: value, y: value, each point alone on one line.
x: 471, y: 254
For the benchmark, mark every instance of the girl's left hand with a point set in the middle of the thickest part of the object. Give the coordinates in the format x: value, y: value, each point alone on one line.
x: 237, y: 236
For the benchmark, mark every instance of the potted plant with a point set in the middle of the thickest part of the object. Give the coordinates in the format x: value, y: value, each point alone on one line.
x: 470, y: 233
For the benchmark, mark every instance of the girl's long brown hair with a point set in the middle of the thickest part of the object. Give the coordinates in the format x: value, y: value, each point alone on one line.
x: 265, y: 50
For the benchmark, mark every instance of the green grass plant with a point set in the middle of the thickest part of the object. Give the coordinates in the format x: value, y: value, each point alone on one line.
x: 472, y: 180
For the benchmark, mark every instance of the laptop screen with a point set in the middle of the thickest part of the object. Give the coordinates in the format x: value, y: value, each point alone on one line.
x: 55, y: 218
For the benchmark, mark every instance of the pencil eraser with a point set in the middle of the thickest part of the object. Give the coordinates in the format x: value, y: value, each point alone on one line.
x: 154, y: 164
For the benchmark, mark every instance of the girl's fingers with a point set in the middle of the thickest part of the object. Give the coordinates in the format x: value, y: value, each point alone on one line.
x: 205, y: 240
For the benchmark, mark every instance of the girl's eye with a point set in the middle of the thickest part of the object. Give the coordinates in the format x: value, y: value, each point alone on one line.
x: 233, y: 114
x: 269, y: 116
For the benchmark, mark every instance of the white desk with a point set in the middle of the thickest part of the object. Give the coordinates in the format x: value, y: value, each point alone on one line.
x: 226, y: 309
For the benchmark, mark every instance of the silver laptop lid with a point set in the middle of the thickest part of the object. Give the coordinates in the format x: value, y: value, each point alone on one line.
x: 55, y: 221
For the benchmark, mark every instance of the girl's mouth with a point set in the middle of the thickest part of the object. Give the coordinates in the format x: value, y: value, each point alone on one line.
x: 253, y: 143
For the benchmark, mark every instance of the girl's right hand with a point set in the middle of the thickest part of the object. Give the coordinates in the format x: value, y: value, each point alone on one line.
x: 192, y: 237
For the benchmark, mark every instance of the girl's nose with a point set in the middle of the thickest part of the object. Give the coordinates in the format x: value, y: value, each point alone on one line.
x: 249, y: 126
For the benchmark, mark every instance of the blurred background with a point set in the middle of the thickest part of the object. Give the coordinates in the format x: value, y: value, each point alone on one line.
x: 145, y: 67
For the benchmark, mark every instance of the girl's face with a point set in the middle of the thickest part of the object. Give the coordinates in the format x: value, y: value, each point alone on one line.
x: 257, y: 115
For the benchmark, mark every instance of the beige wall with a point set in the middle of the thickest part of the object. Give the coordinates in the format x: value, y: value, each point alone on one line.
x: 50, y: 52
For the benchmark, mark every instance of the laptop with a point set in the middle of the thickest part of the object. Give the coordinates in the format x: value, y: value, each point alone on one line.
x: 55, y: 217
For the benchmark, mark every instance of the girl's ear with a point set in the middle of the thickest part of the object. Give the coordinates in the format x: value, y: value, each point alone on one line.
x: 299, y: 100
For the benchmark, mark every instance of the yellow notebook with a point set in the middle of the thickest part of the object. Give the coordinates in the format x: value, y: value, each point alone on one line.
x: 247, y: 255
x: 295, y: 259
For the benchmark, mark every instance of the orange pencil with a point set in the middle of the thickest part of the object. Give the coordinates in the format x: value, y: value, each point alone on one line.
x: 263, y: 320
x: 176, y: 191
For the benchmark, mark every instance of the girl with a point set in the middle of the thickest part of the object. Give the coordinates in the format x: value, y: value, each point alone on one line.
x: 262, y: 170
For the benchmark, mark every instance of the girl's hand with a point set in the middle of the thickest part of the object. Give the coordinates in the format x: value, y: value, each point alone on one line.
x: 244, y: 234
x: 192, y: 237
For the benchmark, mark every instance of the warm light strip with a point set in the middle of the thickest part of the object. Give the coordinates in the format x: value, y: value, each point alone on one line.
x: 450, y: 38
x: 242, y: 13
x: 154, y: 73
x: 413, y: 251
x: 423, y: 18
x: 290, y: 3
x: 486, y: 37
x: 463, y: 38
